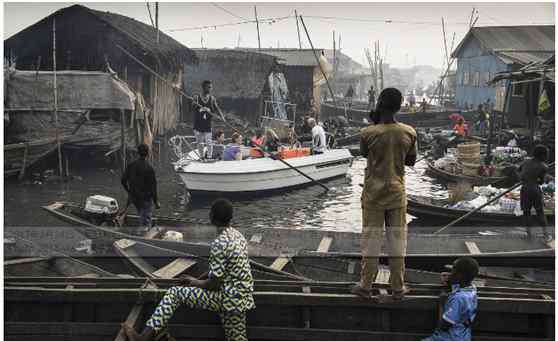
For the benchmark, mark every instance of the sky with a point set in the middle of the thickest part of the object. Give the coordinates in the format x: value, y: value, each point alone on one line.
x: 409, y: 33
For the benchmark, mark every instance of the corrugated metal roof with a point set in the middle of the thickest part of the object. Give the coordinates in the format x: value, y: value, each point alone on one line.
x: 515, y: 44
x: 291, y: 57
x: 524, y: 57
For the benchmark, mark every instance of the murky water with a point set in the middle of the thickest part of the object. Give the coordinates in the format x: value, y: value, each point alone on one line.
x: 309, y: 207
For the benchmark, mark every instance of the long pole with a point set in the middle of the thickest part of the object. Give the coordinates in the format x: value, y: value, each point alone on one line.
x: 257, y: 27
x: 483, y: 206
x: 56, y: 97
x: 318, y: 62
x: 157, y: 20
x: 218, y: 117
x: 298, y: 30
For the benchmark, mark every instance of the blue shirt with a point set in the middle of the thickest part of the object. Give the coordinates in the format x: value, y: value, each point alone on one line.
x: 230, y: 152
x: 459, y: 311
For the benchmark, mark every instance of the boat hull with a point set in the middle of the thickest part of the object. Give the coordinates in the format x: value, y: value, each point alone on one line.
x: 263, y: 175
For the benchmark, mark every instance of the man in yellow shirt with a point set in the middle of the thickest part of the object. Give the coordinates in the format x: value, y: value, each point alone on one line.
x: 389, y: 146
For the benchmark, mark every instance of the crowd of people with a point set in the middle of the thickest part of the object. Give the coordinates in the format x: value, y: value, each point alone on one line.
x: 388, y: 146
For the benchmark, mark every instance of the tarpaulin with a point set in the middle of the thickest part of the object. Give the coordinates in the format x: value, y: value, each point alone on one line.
x: 30, y: 90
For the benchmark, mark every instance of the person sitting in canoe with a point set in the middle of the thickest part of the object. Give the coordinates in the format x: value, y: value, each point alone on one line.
x: 233, y: 151
x: 218, y: 146
x: 388, y: 146
x: 227, y: 290
x: 461, y: 307
x: 532, y: 173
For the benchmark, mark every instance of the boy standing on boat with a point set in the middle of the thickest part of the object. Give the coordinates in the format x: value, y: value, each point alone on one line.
x: 204, y: 107
x: 461, y: 307
x: 227, y: 289
x: 388, y: 146
x: 141, y: 184
x: 532, y: 174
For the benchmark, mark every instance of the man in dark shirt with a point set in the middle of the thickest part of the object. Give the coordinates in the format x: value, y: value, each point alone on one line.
x: 204, y: 106
x: 532, y: 173
x: 140, y: 183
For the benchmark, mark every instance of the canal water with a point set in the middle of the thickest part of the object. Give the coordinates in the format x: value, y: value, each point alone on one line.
x: 339, y: 209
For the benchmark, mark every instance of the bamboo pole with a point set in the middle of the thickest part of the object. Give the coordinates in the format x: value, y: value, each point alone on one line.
x: 298, y: 30
x: 157, y: 20
x: 57, y: 128
x: 320, y: 65
x: 123, y: 138
x: 257, y: 27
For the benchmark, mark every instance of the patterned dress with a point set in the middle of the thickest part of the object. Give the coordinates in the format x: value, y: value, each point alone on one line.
x: 228, y: 261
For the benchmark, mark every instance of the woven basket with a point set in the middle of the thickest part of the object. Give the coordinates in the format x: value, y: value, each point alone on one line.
x: 470, y: 169
x: 468, y: 148
x: 469, y: 159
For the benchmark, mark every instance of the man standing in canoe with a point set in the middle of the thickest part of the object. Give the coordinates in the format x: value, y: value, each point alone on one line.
x: 389, y: 146
x: 204, y: 106
x: 141, y: 184
x: 227, y: 289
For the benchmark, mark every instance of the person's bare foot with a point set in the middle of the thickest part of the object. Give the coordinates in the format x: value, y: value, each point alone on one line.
x: 360, y: 291
x: 132, y: 335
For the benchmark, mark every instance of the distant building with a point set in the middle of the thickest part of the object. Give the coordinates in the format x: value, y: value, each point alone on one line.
x: 302, y: 73
x: 485, y: 51
x: 90, y: 40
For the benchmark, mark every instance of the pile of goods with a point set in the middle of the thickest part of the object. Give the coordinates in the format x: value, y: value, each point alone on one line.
x: 509, y: 203
x: 466, y: 160
x: 288, y: 153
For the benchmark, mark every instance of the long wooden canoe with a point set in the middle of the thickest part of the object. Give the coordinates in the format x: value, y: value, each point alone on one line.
x: 425, y: 251
x: 320, y: 312
x: 455, y: 178
x: 437, y: 214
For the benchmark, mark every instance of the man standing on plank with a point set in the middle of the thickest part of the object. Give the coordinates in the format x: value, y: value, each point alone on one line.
x: 389, y: 146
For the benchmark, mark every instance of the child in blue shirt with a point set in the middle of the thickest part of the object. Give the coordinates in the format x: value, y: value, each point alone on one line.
x: 461, y: 308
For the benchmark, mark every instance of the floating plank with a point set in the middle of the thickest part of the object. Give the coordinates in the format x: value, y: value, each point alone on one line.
x: 383, y: 276
x: 124, y: 243
x: 174, y: 268
x: 325, y: 244
x: 279, y: 263
x: 473, y: 248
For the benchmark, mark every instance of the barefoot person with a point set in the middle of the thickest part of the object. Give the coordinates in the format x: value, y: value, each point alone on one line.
x: 389, y: 146
x: 227, y: 289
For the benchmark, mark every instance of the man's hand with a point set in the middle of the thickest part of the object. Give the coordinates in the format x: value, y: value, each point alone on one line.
x: 157, y: 204
x: 205, y: 109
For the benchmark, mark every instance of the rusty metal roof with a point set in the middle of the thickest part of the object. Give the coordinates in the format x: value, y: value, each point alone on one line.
x: 513, y: 44
x: 290, y: 57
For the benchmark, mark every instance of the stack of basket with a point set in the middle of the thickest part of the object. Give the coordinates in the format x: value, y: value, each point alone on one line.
x: 468, y: 155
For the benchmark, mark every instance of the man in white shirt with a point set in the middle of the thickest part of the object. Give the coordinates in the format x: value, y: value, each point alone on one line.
x: 318, y: 137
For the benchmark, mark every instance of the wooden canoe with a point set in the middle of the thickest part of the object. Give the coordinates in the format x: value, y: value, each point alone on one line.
x: 427, y: 208
x: 425, y: 251
x: 309, y: 312
x: 445, y: 176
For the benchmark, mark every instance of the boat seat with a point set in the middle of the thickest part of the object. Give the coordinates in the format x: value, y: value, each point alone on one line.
x: 174, y: 268
x: 280, y: 262
x: 325, y: 244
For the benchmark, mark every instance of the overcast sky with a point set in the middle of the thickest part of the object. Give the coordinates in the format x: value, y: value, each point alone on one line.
x: 414, y: 34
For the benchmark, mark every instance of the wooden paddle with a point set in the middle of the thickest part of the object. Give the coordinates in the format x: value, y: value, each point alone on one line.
x: 460, y: 219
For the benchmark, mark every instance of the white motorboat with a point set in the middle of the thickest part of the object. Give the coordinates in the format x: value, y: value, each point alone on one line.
x: 259, y: 174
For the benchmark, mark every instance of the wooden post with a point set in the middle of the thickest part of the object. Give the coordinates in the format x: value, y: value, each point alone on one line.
x: 67, y: 165
x: 257, y: 27
x: 24, y: 163
x: 298, y: 30
x: 57, y: 129
x: 123, y: 138
x: 488, y: 157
